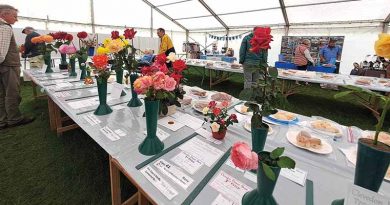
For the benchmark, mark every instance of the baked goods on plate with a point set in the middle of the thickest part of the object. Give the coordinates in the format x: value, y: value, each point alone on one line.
x: 185, y: 100
x: 199, y: 105
x: 326, y: 127
x: 308, y: 141
x: 198, y: 93
x: 284, y: 116
x: 363, y: 81
x: 327, y: 76
x: 221, y: 96
x: 243, y: 109
x: 235, y: 66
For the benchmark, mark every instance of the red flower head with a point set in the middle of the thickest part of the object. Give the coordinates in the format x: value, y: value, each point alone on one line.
x: 161, y: 58
x: 60, y: 35
x: 261, y: 39
x: 212, y: 104
x: 217, y: 111
x: 129, y: 33
x: 179, y: 66
x: 177, y: 77
x: 114, y: 34
x: 233, y: 117
x: 69, y: 37
x: 222, y: 122
x: 163, y: 68
x: 146, y: 70
x: 225, y: 103
x: 82, y: 34
x: 100, y: 61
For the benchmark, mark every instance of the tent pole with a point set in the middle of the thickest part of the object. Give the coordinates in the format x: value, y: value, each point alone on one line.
x: 92, y: 16
x: 227, y: 37
x: 151, y: 22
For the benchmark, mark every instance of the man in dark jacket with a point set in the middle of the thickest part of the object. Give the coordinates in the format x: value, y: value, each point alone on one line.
x: 250, y: 61
x: 31, y: 49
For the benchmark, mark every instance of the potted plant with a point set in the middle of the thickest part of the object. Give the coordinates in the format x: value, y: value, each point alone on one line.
x: 262, y: 95
x: 62, y: 38
x: 219, y: 118
x: 45, y: 47
x: 268, y: 165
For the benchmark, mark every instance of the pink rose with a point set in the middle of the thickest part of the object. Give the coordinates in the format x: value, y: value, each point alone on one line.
x: 63, y: 48
x: 158, y: 80
x: 170, y: 83
x: 163, y: 68
x: 142, y: 84
x: 225, y: 103
x: 243, y: 157
x: 71, y: 50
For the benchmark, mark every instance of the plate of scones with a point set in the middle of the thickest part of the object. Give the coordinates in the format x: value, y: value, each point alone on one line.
x: 308, y: 141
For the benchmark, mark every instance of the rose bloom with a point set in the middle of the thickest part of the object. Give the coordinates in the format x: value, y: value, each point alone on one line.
x: 158, y: 80
x: 171, y: 57
x: 215, y: 127
x: 36, y: 40
x: 243, y: 157
x: 177, y: 77
x: 142, y: 84
x: 129, y: 33
x: 163, y: 68
x: 382, y: 45
x: 225, y: 103
x: 69, y: 37
x: 216, y: 111
x: 114, y: 46
x: 71, y: 50
x: 161, y: 58
x: 261, y: 39
x: 114, y: 34
x: 212, y: 104
x: 179, y: 66
x: 205, y: 110
x: 233, y: 117
x: 170, y: 83
x: 100, y: 61
x: 62, y: 49
x: 82, y: 34
x: 102, y: 51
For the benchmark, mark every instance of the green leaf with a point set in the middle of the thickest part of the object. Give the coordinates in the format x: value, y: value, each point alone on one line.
x: 342, y: 94
x: 286, y: 162
x: 164, y: 109
x: 268, y: 172
x: 246, y: 94
x: 273, y: 72
x: 277, y: 152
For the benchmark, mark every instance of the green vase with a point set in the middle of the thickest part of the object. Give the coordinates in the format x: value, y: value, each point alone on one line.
x: 265, y: 187
x: 103, y: 108
x: 83, y: 69
x: 152, y: 144
x: 135, y: 101
x: 63, y: 64
x: 72, y: 63
x: 47, y: 59
x: 119, y: 78
x: 259, y: 136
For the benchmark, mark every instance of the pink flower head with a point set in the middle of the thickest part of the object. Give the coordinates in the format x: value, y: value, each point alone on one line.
x: 71, y: 50
x: 163, y: 68
x: 146, y: 70
x: 222, y: 122
x: 159, y: 80
x: 243, y: 157
x: 225, y: 103
x: 142, y: 84
x: 212, y: 104
x: 177, y: 77
x: 170, y: 83
x: 63, y: 48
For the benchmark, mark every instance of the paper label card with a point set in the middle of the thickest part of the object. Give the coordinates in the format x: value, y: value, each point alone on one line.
x: 190, y: 121
x: 161, y: 134
x: 62, y: 94
x: 187, y: 162
x: 220, y: 200
x: 296, y: 175
x: 82, y: 103
x: 109, y: 133
x: 170, y: 123
x: 207, y: 135
x: 116, y: 90
x: 166, y: 189
x: 91, y: 119
x: 230, y: 187
x: 202, y: 150
x: 360, y: 196
x: 120, y: 132
x: 174, y: 173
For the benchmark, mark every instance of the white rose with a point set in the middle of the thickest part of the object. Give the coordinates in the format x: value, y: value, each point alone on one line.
x: 215, y: 127
x: 205, y: 110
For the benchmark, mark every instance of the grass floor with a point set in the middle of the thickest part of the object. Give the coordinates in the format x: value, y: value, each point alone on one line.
x: 37, y: 167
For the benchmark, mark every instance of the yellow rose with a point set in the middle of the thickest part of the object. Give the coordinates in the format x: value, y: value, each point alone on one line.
x: 106, y: 41
x: 382, y: 45
x: 114, y: 46
x: 205, y: 110
x: 102, y: 51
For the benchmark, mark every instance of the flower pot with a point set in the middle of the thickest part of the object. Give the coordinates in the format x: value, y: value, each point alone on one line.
x: 63, y: 64
x: 91, y: 51
x: 371, y: 164
x: 83, y: 69
x: 103, y: 108
x: 119, y: 78
x: 265, y: 187
x: 152, y: 144
x: 259, y: 136
x: 72, y: 62
x: 47, y: 59
x: 135, y: 101
x: 219, y: 135
x: 171, y: 110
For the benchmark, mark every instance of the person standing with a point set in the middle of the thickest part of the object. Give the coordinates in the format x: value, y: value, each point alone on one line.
x: 302, y: 57
x: 32, y: 50
x: 10, y: 115
x: 330, y: 53
x: 166, y: 45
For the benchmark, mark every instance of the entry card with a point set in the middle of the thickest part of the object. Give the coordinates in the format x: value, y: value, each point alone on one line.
x: 187, y: 162
x: 230, y: 187
x: 91, y: 119
x: 220, y: 200
x: 174, y: 173
x: 358, y: 195
x: 202, y: 150
x: 190, y: 121
x: 296, y: 175
x: 82, y: 103
x: 109, y: 133
x: 116, y: 90
x: 62, y: 94
x: 161, y: 134
x: 159, y: 182
x: 170, y: 123
x: 207, y: 135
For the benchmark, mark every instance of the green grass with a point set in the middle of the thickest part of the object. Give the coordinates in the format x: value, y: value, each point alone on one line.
x: 37, y: 167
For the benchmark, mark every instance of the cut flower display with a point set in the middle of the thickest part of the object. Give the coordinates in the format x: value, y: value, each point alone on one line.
x: 219, y: 118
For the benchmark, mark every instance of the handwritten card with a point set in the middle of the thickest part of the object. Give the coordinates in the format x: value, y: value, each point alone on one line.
x: 296, y: 175
x: 174, y: 173
x: 187, y: 162
x: 163, y: 186
x: 202, y: 150
x: 358, y: 196
x: 109, y: 133
x: 170, y: 123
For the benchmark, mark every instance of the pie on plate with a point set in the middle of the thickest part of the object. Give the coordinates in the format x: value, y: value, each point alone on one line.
x: 362, y: 81
x: 221, y: 96
x: 284, y: 116
x: 310, y: 142
x: 198, y: 93
x: 326, y: 126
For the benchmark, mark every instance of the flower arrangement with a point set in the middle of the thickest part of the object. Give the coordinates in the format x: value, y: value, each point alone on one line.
x: 61, y: 38
x: 81, y: 54
x: 45, y: 44
x: 382, y: 45
x: 219, y: 118
x: 86, y: 40
x: 100, y: 67
x: 156, y: 87
x: 67, y: 49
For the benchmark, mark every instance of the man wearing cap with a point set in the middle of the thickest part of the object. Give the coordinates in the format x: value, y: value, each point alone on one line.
x: 330, y: 53
x: 31, y: 49
x: 10, y: 115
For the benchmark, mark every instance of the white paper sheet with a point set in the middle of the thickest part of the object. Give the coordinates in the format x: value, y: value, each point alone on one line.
x: 163, y: 186
x: 161, y: 134
x: 220, y: 200
x: 229, y: 187
x: 64, y: 85
x: 190, y: 121
x: 63, y: 94
x: 174, y: 173
x: 116, y: 90
x: 109, y: 133
x: 91, y: 119
x: 296, y: 175
x: 187, y: 162
x: 120, y: 132
x: 82, y: 103
x: 174, y: 126
x: 202, y: 150
x: 207, y: 135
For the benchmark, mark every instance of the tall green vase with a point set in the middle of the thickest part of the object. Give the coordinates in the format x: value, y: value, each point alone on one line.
x: 83, y: 68
x: 152, y: 144
x: 72, y: 62
x: 47, y: 59
x: 63, y: 64
x: 103, y: 108
x: 135, y: 101
x: 259, y: 136
x: 119, y: 78
x: 265, y: 187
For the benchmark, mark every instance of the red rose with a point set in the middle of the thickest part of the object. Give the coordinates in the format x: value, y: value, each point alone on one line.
x: 129, y: 33
x: 145, y: 70
x: 212, y: 104
x: 163, y: 68
x: 233, y: 117
x: 216, y: 111
x: 114, y: 34
x: 261, y: 39
x: 179, y: 66
x: 222, y: 122
x: 54, y: 35
x: 69, y: 37
x: 177, y: 77
x: 82, y: 34
x: 161, y: 58
x: 61, y: 35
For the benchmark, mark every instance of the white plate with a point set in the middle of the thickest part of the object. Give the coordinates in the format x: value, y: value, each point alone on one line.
x: 238, y: 108
x: 326, y: 148
x: 273, y: 117
x: 338, y: 134
x: 199, y: 101
x: 192, y: 94
x: 247, y: 126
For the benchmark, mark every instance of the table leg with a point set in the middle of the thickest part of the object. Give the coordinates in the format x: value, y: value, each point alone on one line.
x: 211, y: 78
x: 34, y: 88
x: 115, y: 183
x: 52, y: 120
x: 142, y: 200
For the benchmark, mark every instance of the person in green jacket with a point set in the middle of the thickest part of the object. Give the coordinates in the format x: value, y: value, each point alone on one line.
x: 250, y: 61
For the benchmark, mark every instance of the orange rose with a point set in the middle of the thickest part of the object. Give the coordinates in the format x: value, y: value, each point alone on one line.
x: 382, y: 45
x: 36, y: 40
x: 47, y: 38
